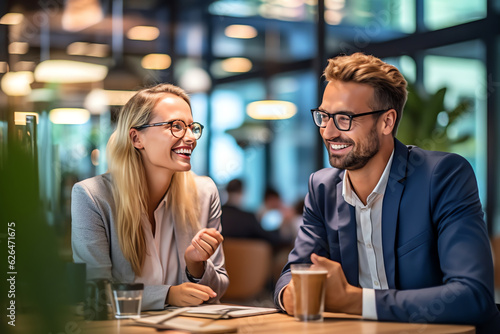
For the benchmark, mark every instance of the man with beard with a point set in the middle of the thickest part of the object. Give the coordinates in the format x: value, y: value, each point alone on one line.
x: 400, y: 229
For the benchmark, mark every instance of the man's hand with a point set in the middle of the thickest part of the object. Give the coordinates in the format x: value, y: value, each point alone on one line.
x: 189, y: 294
x: 203, y: 246
x: 288, y: 296
x: 340, y: 295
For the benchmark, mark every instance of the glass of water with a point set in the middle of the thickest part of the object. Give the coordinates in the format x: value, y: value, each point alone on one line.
x: 127, y: 299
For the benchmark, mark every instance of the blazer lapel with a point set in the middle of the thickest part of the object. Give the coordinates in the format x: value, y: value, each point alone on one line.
x: 182, y: 241
x: 390, y: 209
x: 347, y: 237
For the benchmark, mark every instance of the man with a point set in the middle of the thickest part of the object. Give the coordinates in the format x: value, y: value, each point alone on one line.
x: 399, y: 229
x: 237, y: 223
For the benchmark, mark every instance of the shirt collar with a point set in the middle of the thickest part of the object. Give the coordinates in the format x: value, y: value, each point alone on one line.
x: 349, y: 194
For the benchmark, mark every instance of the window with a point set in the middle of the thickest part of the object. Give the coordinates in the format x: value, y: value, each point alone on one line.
x: 440, y: 14
x: 463, y: 72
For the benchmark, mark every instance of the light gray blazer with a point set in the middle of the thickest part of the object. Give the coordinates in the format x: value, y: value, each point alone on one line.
x: 94, y: 238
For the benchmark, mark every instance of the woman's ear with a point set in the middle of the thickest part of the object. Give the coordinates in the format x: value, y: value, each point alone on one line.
x: 389, y: 119
x: 136, y: 139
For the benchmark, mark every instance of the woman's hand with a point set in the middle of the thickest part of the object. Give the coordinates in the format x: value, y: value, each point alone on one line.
x: 189, y: 294
x: 203, y: 246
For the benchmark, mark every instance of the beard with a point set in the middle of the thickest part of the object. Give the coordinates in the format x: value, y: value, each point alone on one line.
x: 359, y: 156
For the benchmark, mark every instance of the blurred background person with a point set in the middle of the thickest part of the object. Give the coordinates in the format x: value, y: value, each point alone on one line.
x: 238, y: 223
x: 274, y: 215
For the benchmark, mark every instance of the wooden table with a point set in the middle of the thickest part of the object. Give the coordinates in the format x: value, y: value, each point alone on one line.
x: 278, y: 323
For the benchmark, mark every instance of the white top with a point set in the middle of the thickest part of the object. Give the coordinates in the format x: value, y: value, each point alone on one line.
x: 369, y: 239
x: 161, y: 264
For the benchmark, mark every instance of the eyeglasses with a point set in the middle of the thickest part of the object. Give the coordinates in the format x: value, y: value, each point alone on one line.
x: 178, y: 128
x: 342, y: 120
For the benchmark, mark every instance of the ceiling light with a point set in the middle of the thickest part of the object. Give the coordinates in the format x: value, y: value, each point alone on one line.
x: 240, y: 31
x: 195, y: 80
x: 69, y: 116
x: 156, y: 61
x: 333, y: 17
x: 97, y: 50
x: 18, y: 48
x: 81, y: 14
x: 119, y: 97
x: 236, y: 65
x: 17, y: 83
x: 12, y: 18
x: 20, y: 117
x: 335, y: 4
x: 68, y: 71
x: 87, y: 49
x: 98, y: 100
x: 290, y: 3
x: 76, y: 48
x: 143, y: 33
x: 271, y: 110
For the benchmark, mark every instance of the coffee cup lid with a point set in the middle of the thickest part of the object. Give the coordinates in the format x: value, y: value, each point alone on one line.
x: 127, y: 286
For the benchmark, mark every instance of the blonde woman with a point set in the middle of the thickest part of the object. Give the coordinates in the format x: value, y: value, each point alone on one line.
x: 150, y: 219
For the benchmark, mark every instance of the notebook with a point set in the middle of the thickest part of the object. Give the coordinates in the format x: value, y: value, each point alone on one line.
x: 228, y: 311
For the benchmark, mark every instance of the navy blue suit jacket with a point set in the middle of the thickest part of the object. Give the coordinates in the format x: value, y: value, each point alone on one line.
x: 436, y: 249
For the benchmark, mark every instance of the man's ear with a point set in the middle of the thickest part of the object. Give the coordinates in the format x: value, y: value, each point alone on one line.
x: 136, y: 140
x: 389, y: 121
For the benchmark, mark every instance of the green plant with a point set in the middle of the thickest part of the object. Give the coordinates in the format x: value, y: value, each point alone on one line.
x: 419, y: 125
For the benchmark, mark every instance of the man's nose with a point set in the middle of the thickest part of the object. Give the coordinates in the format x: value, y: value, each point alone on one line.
x: 330, y: 131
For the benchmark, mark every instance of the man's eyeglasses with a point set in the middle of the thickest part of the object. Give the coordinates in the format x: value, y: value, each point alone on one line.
x: 178, y: 128
x: 342, y: 120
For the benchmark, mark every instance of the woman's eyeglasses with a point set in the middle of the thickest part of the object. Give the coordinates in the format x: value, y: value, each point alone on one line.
x: 178, y: 128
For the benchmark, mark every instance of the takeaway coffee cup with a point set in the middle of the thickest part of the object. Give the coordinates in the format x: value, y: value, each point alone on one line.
x: 127, y: 299
x: 309, y: 291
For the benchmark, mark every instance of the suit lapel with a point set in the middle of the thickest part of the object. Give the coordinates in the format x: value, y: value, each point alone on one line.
x: 182, y: 241
x: 390, y: 209
x: 347, y: 237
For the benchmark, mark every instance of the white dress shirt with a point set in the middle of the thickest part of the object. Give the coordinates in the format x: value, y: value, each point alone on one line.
x: 369, y: 239
x: 161, y: 264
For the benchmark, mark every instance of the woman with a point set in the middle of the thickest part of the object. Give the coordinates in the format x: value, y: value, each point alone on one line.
x: 150, y: 219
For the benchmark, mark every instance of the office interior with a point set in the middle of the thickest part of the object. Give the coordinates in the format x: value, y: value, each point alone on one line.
x: 253, y: 71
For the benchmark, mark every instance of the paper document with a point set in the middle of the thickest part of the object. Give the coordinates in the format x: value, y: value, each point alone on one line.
x: 191, y: 325
x: 213, y: 312
x: 228, y: 311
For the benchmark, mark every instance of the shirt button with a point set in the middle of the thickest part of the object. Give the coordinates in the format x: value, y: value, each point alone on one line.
x: 369, y: 245
x: 375, y: 283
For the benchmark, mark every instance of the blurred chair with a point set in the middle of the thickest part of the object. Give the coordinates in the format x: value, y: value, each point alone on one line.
x: 248, y: 264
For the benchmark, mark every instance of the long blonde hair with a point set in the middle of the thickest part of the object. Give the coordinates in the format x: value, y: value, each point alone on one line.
x: 128, y: 176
